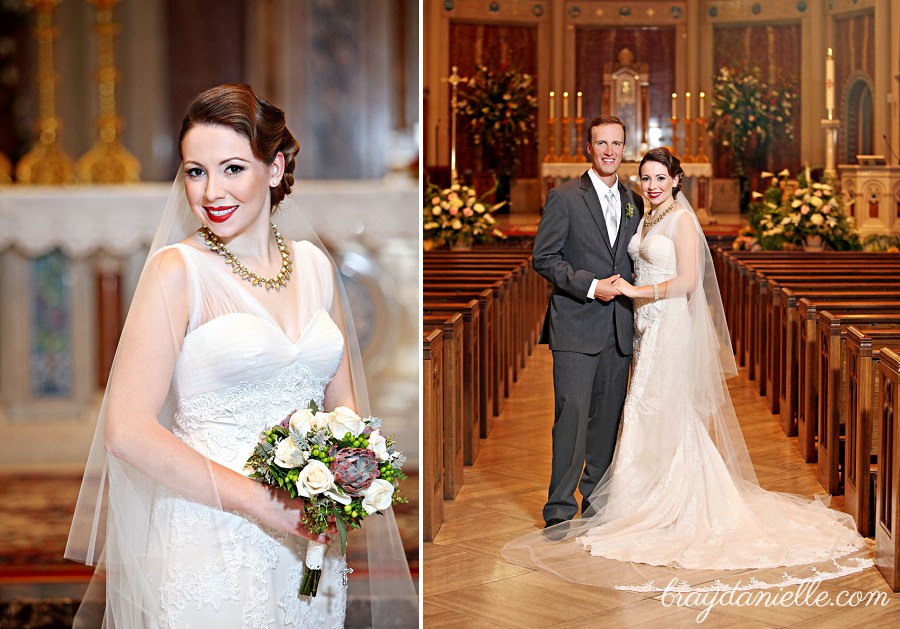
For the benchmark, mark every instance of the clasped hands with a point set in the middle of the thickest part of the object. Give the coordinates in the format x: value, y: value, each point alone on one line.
x: 611, y: 287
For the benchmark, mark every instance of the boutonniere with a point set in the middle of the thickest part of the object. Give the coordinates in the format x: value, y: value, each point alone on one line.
x: 629, y: 210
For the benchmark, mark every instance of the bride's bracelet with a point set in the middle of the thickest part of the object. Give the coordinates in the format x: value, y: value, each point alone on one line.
x: 656, y: 292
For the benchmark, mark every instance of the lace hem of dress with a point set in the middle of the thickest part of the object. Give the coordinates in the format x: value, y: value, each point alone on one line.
x: 753, y: 583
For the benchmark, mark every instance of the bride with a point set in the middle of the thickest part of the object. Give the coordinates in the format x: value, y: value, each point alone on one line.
x: 681, y: 499
x: 231, y: 328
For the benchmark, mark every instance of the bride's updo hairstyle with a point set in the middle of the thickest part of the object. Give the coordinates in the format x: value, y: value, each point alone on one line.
x: 662, y: 156
x: 236, y: 106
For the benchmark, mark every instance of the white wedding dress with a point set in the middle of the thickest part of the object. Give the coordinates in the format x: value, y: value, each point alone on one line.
x: 238, y: 374
x: 680, y: 500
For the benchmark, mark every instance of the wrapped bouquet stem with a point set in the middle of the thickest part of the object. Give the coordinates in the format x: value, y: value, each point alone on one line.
x: 340, y: 463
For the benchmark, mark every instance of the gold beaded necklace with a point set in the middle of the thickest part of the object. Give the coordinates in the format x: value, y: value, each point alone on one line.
x: 651, y: 222
x: 277, y: 282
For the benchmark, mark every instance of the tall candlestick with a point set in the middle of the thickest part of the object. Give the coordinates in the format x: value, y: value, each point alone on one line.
x: 702, y: 96
x: 829, y: 85
x: 687, y: 105
x: 578, y: 106
x: 674, y: 98
x: 552, y: 105
x: 565, y: 104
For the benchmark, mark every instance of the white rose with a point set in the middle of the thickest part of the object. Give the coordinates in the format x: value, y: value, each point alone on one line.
x: 344, y: 420
x: 378, y: 445
x: 288, y: 454
x: 314, y: 479
x: 816, y: 219
x: 301, y: 421
x: 378, y: 496
x: 320, y: 421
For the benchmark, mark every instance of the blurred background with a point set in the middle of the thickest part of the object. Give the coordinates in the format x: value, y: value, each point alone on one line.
x: 92, y: 94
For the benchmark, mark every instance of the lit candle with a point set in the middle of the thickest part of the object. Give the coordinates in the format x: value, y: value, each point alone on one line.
x: 687, y: 105
x: 552, y: 106
x: 702, y: 96
x: 674, y: 97
x: 578, y: 106
x: 829, y: 83
x: 565, y: 104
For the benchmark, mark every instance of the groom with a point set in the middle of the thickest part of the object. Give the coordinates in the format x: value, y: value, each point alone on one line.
x: 580, y: 248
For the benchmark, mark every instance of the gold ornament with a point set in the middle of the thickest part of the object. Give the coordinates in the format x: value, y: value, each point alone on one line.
x: 279, y: 281
x: 659, y: 217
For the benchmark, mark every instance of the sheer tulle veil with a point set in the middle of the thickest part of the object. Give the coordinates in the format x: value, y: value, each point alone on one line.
x: 688, y: 377
x: 113, y: 522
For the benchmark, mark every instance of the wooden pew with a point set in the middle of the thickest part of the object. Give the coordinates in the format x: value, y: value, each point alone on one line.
x: 804, y: 346
x: 432, y: 435
x: 491, y: 401
x: 471, y: 378
x: 500, y: 286
x: 861, y: 404
x: 774, y: 324
x: 831, y: 354
x: 887, y: 484
x: 758, y: 281
x: 738, y: 266
x: 519, y: 289
x: 451, y: 415
x: 786, y: 325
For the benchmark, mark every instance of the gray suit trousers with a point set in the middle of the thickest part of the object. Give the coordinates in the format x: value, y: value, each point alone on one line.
x: 590, y: 393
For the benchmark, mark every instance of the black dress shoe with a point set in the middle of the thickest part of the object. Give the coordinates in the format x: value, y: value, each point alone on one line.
x: 553, y: 522
x: 555, y: 534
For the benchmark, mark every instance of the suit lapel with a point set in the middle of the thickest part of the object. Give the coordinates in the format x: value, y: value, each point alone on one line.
x: 589, y: 193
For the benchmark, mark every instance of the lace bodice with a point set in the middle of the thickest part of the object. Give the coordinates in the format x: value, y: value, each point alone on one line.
x: 225, y: 422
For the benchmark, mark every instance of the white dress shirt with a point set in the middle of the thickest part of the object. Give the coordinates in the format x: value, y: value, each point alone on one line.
x: 602, y: 190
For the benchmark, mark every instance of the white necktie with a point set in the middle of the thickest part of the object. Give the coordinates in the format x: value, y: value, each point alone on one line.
x: 612, y: 216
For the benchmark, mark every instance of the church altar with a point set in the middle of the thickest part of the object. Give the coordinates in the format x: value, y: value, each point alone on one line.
x: 697, y: 178
x: 70, y: 258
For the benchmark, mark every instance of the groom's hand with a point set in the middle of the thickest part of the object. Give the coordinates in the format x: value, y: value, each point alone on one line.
x: 605, y: 291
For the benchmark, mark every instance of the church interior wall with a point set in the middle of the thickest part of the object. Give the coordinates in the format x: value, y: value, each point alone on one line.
x: 779, y: 37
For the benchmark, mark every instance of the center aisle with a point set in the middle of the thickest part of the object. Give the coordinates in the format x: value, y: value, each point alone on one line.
x: 468, y: 585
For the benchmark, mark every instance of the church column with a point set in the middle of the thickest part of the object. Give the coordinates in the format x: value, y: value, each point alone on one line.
x: 882, y: 80
x: 816, y: 34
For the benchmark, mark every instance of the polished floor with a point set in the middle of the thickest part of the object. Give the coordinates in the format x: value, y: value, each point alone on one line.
x: 468, y: 585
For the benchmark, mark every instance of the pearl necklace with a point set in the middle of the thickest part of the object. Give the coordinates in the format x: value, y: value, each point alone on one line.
x: 659, y: 217
x: 279, y: 281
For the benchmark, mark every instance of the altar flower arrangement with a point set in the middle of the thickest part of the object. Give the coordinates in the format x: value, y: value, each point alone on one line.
x: 341, y: 463
x: 748, y: 113
x: 814, y: 211
x: 501, y: 107
x: 458, y: 216
x: 812, y: 214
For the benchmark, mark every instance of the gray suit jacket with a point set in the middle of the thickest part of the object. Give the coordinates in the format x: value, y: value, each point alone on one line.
x: 570, y: 250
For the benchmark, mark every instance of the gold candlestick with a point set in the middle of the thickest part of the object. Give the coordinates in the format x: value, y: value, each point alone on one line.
x: 551, y: 154
x: 577, y: 153
x: 674, y: 120
x: 5, y: 169
x: 701, y: 156
x: 565, y: 156
x: 688, y: 140
x: 107, y: 161
x: 46, y: 162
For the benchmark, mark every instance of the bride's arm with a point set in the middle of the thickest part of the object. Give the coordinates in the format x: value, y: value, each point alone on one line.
x: 686, y: 264
x: 139, y: 384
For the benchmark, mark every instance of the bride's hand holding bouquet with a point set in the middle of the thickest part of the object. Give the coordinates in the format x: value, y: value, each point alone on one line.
x: 339, y: 463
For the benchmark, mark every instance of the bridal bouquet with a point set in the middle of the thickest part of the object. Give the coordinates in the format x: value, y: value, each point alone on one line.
x: 339, y: 462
